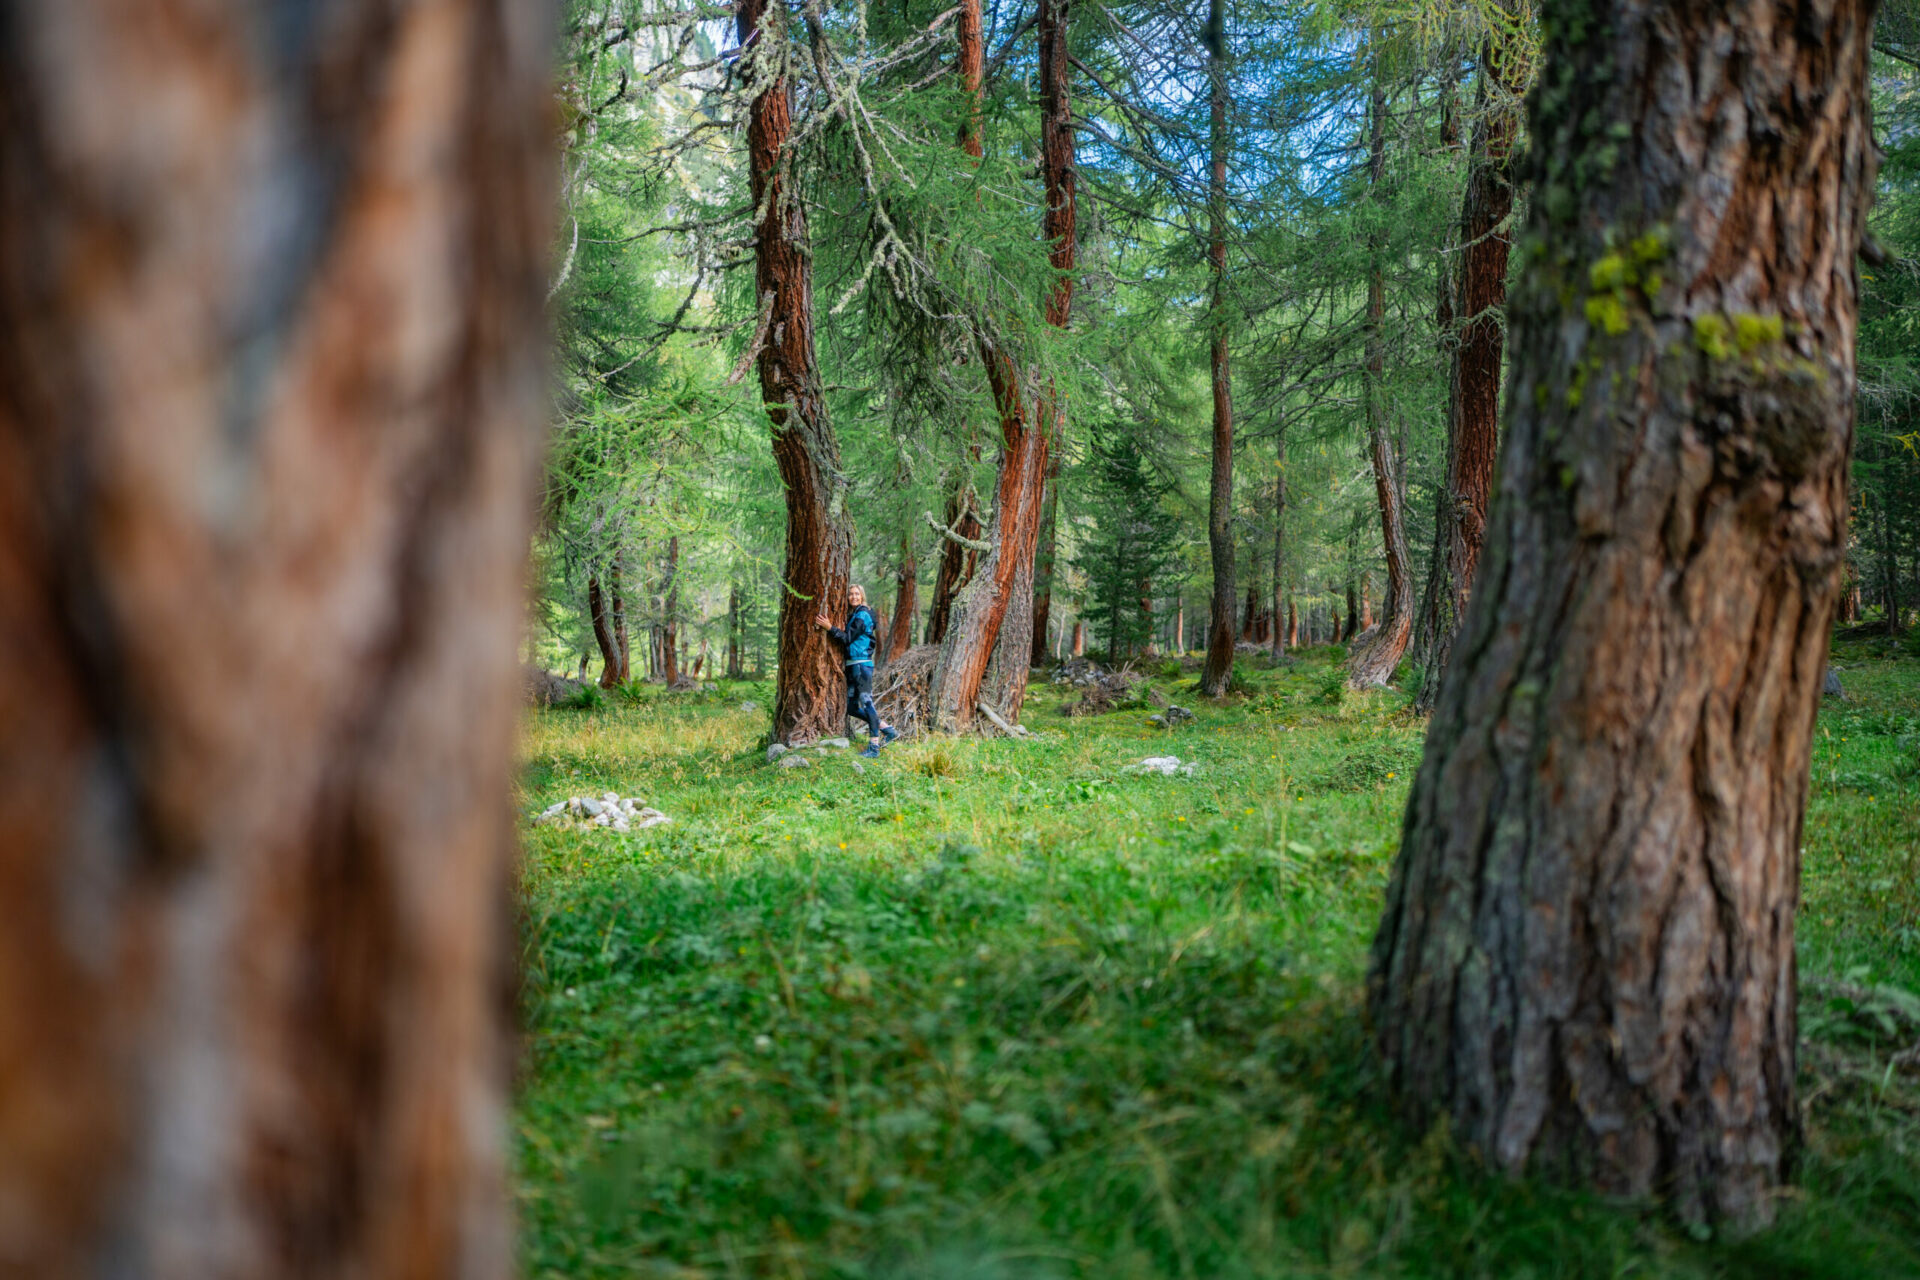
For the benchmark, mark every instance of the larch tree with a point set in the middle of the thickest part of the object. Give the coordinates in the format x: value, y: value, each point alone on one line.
x: 808, y: 701
x: 271, y: 392
x: 1479, y: 299
x: 1587, y: 956
x: 1220, y: 630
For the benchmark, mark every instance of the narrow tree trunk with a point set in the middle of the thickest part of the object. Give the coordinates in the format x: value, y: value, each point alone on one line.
x: 809, y: 700
x: 1587, y: 955
x: 1473, y: 417
x: 1373, y: 664
x: 1220, y: 636
x: 1353, y: 611
x: 271, y: 394
x: 733, y: 632
x: 1079, y: 637
x: 1293, y: 624
x: 1043, y: 560
x: 1282, y: 603
x: 619, y: 602
x: 905, y: 599
x: 670, y: 609
x: 602, y: 618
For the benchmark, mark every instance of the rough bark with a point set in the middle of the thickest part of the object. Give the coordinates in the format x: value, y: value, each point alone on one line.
x: 1079, y: 637
x: 617, y: 618
x: 1587, y: 955
x: 734, y: 668
x: 957, y: 564
x: 1043, y: 567
x: 1293, y: 624
x: 270, y: 401
x: 1373, y: 663
x: 905, y: 599
x: 1473, y: 415
x: 809, y: 689
x: 1220, y: 631
x: 670, y: 610
x: 984, y: 655
x: 602, y: 618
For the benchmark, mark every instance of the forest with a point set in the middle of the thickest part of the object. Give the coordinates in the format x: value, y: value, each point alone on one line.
x: 1009, y: 639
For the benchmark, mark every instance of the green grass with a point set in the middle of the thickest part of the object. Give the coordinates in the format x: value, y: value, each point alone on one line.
x: 995, y: 1009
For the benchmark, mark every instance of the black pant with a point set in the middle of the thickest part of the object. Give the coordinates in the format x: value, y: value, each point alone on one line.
x: 860, y: 696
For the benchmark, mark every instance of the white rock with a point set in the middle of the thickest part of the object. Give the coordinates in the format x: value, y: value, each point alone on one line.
x: 590, y: 806
x: 858, y: 767
x: 837, y: 744
x: 604, y: 820
x: 749, y: 706
x: 573, y: 804
x: 1163, y: 765
x: 650, y: 818
x: 552, y: 811
x: 620, y: 824
x: 775, y: 751
x: 629, y: 805
x: 794, y: 762
x: 612, y: 797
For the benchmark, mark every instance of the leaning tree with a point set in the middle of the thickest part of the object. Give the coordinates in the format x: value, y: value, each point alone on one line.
x: 1587, y: 955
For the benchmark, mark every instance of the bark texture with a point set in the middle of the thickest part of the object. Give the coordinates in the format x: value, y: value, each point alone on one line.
x: 809, y: 688
x: 905, y: 600
x: 1473, y: 414
x: 1373, y: 663
x: 1587, y: 954
x: 1220, y: 631
x: 271, y: 390
x: 1043, y: 565
x: 957, y: 564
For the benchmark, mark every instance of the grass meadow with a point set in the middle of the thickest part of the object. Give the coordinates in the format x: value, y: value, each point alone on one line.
x: 998, y: 1010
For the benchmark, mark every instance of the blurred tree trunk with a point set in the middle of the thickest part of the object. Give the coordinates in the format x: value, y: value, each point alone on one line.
x: 809, y: 690
x: 1043, y: 562
x: 1587, y: 955
x: 623, y: 667
x: 271, y: 387
x: 603, y: 633
x: 1220, y: 633
x: 734, y: 669
x: 1473, y: 416
x: 1282, y: 603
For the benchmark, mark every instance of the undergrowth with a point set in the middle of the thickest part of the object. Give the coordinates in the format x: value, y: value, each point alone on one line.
x: 997, y: 1009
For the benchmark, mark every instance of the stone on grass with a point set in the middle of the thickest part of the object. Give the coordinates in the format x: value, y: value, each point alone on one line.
x: 794, y: 761
x: 775, y: 751
x: 590, y: 806
x: 1166, y: 766
x: 837, y: 744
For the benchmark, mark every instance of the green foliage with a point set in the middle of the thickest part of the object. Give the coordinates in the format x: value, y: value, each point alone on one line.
x: 1130, y: 546
x: 1038, y: 1017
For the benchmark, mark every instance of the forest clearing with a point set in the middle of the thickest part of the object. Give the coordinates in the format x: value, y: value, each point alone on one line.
x: 1002, y: 1009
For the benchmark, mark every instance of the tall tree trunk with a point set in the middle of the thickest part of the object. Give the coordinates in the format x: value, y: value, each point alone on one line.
x: 602, y: 618
x: 669, y: 610
x: 1220, y: 634
x: 1282, y: 603
x: 905, y: 599
x: 271, y: 394
x: 1587, y: 955
x: 1293, y: 624
x: 1043, y: 561
x: 985, y: 653
x: 808, y: 700
x: 733, y: 632
x: 1473, y: 417
x: 1373, y: 664
x: 1353, y: 611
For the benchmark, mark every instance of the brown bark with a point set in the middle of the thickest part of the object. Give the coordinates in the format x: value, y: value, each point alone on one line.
x: 1220, y: 632
x: 734, y: 668
x: 1282, y: 604
x: 1587, y: 955
x: 1353, y: 611
x: 669, y: 610
x: 267, y: 475
x: 1473, y: 414
x: 617, y: 617
x: 603, y: 633
x: 984, y: 654
x: 1373, y: 664
x: 1043, y: 567
x: 905, y: 599
x: 957, y: 564
x: 808, y: 700
x: 1079, y: 637
x: 1293, y: 625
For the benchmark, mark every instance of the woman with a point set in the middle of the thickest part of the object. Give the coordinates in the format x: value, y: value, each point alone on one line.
x: 857, y: 639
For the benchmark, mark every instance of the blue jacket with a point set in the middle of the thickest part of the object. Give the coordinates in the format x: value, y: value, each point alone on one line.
x: 856, y: 637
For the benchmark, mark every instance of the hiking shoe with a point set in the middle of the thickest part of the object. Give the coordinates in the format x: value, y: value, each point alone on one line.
x: 872, y: 751
x: 887, y: 734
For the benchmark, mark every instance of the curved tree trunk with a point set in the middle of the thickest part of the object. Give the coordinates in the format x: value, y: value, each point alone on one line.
x: 809, y: 699
x: 1473, y: 417
x: 1220, y: 631
x: 267, y: 476
x: 1587, y: 955
x: 1373, y: 664
x: 602, y: 618
x: 957, y: 564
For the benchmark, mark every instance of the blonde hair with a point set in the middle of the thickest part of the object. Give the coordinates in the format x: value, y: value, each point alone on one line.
x: 853, y: 587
